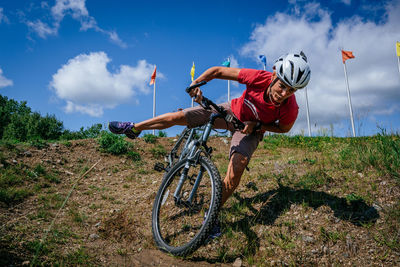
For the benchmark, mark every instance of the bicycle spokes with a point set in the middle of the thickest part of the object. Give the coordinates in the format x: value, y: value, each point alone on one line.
x: 181, y: 216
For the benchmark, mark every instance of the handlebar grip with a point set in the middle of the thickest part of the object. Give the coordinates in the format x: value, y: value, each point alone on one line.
x: 190, y: 88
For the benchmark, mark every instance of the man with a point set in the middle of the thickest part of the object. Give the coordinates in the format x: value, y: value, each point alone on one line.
x: 268, y: 100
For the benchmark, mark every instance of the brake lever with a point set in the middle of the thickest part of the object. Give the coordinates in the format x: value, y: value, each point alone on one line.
x: 205, y: 103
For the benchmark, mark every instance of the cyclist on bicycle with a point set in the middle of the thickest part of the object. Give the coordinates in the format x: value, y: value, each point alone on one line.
x: 267, y: 104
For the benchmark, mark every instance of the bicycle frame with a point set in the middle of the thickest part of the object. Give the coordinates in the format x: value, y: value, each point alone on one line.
x: 192, y: 158
x: 194, y: 147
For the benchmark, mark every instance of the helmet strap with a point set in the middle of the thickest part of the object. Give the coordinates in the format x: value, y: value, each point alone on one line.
x: 269, y: 93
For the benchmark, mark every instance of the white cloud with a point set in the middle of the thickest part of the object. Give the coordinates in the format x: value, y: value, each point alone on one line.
x: 88, y: 87
x: 78, y: 11
x: 373, y: 74
x: 4, y: 81
x: 42, y: 29
x: 3, y: 18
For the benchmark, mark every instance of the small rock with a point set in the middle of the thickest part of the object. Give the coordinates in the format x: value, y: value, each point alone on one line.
x: 94, y: 236
x: 59, y: 161
x: 97, y: 224
x: 308, y: 239
x: 54, y: 145
x: 360, y: 175
x: 28, y: 153
x: 14, y: 161
x: 314, y: 251
x: 377, y: 207
x: 237, y: 263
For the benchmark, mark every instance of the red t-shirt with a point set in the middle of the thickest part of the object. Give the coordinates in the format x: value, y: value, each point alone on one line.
x: 251, y: 106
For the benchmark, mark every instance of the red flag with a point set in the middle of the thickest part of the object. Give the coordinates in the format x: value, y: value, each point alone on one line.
x: 347, y: 55
x: 153, y: 76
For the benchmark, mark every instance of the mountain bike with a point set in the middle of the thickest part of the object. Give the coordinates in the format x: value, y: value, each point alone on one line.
x: 188, y: 200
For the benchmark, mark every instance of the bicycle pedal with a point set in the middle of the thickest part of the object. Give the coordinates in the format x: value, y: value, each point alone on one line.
x: 159, y: 167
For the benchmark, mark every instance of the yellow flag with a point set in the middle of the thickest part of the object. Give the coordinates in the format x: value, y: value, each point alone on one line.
x: 398, y: 48
x: 192, y: 72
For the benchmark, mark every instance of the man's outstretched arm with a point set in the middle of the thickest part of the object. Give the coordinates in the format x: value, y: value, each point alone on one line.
x: 213, y: 73
x: 218, y: 73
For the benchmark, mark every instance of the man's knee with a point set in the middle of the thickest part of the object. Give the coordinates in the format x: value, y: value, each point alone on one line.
x: 177, y: 118
x: 239, y: 162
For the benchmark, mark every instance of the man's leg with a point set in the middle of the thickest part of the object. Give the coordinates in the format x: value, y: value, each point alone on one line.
x: 133, y: 130
x: 236, y: 167
x: 162, y: 121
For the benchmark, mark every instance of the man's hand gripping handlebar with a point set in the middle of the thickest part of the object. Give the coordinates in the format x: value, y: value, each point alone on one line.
x: 207, y: 104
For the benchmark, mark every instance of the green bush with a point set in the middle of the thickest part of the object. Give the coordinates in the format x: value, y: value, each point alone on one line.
x: 150, y: 138
x: 90, y: 132
x: 38, y: 143
x: 114, y: 144
x: 18, y: 122
x: 158, y: 151
x: 135, y: 156
x: 162, y: 134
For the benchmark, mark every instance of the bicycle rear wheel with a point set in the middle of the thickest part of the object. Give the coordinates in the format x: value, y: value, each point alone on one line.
x: 180, y: 227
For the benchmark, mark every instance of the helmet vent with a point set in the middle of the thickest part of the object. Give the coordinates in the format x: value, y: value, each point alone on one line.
x: 299, y: 75
x: 292, y: 69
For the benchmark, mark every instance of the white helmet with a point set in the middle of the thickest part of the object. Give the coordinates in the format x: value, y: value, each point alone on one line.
x: 293, y: 70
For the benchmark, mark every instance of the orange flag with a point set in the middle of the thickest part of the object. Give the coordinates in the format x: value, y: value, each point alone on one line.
x: 347, y: 55
x: 153, y: 76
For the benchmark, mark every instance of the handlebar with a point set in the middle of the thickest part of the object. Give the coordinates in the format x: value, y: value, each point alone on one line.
x: 206, y: 103
x: 190, y: 88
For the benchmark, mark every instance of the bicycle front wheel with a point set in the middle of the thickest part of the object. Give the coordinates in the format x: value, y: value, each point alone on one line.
x: 179, y: 225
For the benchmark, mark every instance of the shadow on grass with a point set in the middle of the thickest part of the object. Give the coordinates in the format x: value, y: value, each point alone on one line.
x: 9, y: 258
x: 275, y: 202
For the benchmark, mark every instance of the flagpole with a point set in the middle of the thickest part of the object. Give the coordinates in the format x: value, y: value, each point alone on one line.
x: 349, y: 98
x: 154, y: 104
x: 398, y: 54
x: 308, y: 114
x: 398, y: 62
x: 229, y: 91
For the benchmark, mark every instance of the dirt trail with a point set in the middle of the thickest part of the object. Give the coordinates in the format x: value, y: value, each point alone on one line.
x: 107, y: 220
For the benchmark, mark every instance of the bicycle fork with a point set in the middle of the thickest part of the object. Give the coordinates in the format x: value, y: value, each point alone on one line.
x: 177, y: 193
x: 190, y: 159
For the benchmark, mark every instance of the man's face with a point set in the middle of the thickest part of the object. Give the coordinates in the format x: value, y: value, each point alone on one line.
x: 280, y: 91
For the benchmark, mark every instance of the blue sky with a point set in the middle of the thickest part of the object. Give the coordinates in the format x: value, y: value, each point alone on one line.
x: 90, y: 61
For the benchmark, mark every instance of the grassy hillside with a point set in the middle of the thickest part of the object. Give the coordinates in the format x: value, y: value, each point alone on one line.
x: 305, y: 201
